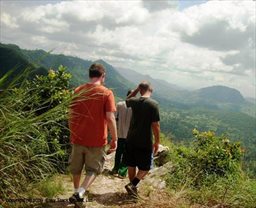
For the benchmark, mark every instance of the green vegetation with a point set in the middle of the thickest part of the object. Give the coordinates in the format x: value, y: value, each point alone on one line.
x: 33, y: 131
x: 208, y: 172
x: 50, y: 187
x: 14, y: 63
x: 177, y: 124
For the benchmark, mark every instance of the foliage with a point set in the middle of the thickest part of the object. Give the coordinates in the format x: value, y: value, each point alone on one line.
x: 14, y: 65
x: 209, y: 171
x: 209, y: 155
x: 33, y: 133
x: 47, y: 91
x: 226, y: 192
x: 178, y: 124
x: 50, y: 187
x: 215, y: 155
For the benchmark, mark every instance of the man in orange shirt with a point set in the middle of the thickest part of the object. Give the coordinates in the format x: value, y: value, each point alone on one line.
x: 91, y: 115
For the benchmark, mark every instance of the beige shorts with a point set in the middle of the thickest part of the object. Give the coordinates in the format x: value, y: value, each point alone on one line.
x: 91, y: 158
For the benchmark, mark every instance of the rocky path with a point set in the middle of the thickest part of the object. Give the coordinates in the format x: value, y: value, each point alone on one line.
x: 108, y: 191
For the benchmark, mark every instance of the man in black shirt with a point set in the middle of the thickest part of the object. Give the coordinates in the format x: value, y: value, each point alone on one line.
x: 140, y: 146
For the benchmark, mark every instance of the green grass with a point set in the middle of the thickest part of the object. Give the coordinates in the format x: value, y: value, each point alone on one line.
x: 226, y: 192
x: 50, y: 187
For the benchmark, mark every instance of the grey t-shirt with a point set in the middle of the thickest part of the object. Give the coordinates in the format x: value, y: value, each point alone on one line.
x: 144, y: 112
x: 123, y: 115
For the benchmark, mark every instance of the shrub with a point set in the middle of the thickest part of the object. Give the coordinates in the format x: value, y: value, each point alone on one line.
x: 209, y: 172
x: 215, y: 155
x: 33, y: 131
x: 209, y: 155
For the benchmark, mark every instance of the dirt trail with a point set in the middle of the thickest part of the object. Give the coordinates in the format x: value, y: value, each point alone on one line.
x: 108, y: 191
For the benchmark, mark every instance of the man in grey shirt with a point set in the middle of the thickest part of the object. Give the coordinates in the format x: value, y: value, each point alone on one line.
x: 123, y: 117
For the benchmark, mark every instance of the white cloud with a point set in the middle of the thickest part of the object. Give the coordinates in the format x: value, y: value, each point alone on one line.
x: 202, y: 45
x: 8, y: 20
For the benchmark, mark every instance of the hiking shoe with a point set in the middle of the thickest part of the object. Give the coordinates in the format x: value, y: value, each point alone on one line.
x: 113, y: 172
x: 121, y: 177
x: 131, y: 190
x: 75, y: 198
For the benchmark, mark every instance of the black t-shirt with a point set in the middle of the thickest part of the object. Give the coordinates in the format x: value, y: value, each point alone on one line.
x: 144, y: 112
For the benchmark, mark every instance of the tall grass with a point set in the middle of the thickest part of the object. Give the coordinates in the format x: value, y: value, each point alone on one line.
x: 30, y: 147
x: 50, y: 187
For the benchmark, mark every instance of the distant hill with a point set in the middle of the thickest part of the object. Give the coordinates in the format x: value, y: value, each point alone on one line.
x: 162, y: 88
x: 40, y: 61
x: 75, y: 65
x: 14, y: 62
x: 170, y: 95
x: 121, y: 79
x: 220, y: 94
x: 79, y: 69
x: 251, y: 100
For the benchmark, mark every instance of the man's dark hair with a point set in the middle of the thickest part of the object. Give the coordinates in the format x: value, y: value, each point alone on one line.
x: 96, y: 70
x: 145, y: 86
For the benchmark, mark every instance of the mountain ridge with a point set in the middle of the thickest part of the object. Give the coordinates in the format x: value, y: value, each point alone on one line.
x: 122, y: 79
x: 213, y: 97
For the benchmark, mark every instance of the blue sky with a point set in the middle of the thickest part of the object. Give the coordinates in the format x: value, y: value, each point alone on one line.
x: 183, y: 4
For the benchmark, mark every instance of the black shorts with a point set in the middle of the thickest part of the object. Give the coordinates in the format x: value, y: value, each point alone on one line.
x: 139, y: 157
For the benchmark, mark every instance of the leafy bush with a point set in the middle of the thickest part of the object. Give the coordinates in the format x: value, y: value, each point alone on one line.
x: 209, y: 172
x: 33, y: 131
x: 209, y: 155
x: 215, y: 155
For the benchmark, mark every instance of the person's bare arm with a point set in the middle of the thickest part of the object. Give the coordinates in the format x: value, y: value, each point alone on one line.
x: 111, y: 122
x: 156, y: 131
x: 133, y: 93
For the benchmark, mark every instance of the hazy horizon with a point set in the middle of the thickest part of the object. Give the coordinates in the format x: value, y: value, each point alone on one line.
x: 192, y: 44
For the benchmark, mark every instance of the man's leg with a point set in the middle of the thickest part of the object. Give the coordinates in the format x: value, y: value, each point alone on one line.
x: 141, y: 174
x: 144, y: 163
x: 122, y: 171
x: 131, y: 188
x: 76, y: 180
x: 76, y: 166
x: 131, y: 172
x: 88, y: 180
x: 118, y: 156
x: 94, y: 162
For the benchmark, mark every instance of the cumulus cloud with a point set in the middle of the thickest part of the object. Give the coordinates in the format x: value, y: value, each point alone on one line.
x: 218, y: 35
x: 204, y: 44
x: 8, y: 20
